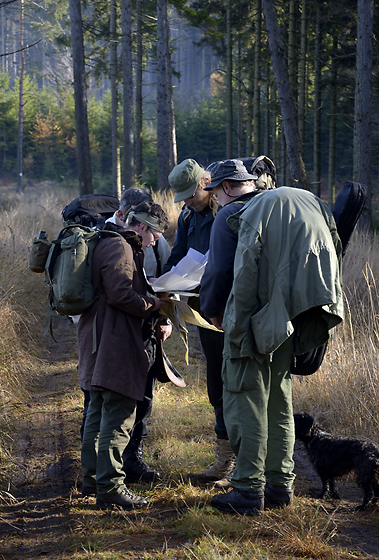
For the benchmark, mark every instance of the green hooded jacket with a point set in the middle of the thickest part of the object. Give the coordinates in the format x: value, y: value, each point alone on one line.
x: 287, y: 275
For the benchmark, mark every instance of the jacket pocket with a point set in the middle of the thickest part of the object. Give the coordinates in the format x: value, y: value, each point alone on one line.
x: 240, y: 374
x: 271, y: 326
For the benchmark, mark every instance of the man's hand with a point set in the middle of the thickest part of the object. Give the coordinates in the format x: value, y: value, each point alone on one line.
x: 217, y: 320
x: 158, y: 303
x: 162, y: 332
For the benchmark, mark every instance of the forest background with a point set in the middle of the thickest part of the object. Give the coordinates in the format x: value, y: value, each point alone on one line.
x: 116, y: 92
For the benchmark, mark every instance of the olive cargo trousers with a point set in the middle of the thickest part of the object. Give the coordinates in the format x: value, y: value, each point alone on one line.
x: 259, y: 418
x: 110, y: 418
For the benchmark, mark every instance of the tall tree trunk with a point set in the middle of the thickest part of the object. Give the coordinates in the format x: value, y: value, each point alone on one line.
x: 127, y: 76
x: 287, y: 104
x: 229, y: 83
x: 139, y: 109
x: 275, y: 128
x: 163, y: 119
x: 20, y: 186
x: 239, y: 93
x: 116, y: 175
x: 292, y: 71
x: 249, y: 116
x: 317, y: 108
x: 302, y: 74
x: 363, y: 105
x: 257, y: 76
x: 170, y: 98
x: 80, y: 95
x: 332, y: 127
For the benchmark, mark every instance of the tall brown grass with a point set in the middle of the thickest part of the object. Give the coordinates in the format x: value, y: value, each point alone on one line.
x: 343, y: 394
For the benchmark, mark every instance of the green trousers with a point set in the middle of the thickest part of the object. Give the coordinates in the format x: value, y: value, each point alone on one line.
x: 110, y: 418
x: 259, y: 418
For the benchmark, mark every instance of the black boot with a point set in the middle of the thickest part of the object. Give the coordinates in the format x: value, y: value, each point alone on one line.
x: 136, y: 469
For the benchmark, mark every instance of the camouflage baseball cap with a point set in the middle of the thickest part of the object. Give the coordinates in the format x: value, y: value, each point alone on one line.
x: 232, y: 169
x: 184, y: 179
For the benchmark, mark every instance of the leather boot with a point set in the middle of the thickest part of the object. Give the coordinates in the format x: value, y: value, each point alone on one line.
x: 124, y: 499
x: 278, y: 496
x: 225, y: 462
x: 239, y: 501
x: 135, y: 467
x: 225, y: 483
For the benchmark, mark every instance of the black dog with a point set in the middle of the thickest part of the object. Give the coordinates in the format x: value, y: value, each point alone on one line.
x: 336, y: 456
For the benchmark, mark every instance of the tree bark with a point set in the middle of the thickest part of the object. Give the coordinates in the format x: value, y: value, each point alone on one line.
x: 302, y: 74
x: 80, y: 94
x: 249, y: 116
x: 163, y: 119
x: 127, y: 76
x: 116, y: 175
x: 139, y: 110
x: 257, y: 76
x: 317, y: 108
x: 287, y: 104
x: 292, y: 70
x: 170, y: 98
x: 332, y: 127
x: 229, y: 84
x: 363, y: 105
x: 20, y: 186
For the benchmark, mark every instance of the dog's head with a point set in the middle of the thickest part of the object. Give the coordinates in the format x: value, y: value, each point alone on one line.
x: 304, y: 423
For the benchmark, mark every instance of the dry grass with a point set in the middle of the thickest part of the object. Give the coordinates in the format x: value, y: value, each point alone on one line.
x: 343, y: 393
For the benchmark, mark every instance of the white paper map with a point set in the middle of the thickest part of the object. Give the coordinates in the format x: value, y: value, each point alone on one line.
x: 183, y: 277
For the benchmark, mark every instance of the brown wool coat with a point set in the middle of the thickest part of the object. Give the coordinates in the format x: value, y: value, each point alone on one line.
x: 120, y: 362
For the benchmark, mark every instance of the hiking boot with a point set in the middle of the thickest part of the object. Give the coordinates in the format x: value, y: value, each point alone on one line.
x: 224, y: 483
x: 124, y: 499
x: 89, y: 487
x: 239, y: 501
x: 135, y: 467
x: 225, y: 462
x: 88, y: 492
x: 278, y: 496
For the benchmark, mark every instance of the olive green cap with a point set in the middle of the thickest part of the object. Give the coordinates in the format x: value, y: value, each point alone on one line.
x: 184, y: 179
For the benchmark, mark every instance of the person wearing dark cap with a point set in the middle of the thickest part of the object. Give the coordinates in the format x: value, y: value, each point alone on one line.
x: 189, y: 181
x: 233, y: 187
x: 280, y: 295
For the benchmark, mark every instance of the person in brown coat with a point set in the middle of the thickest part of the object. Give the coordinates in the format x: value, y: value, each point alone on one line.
x: 113, y: 362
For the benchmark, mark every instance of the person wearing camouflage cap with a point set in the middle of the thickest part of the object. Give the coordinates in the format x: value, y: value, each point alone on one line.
x: 189, y: 181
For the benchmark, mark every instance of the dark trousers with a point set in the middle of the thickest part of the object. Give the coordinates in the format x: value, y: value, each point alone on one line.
x: 107, y: 431
x: 212, y: 343
x: 143, y: 412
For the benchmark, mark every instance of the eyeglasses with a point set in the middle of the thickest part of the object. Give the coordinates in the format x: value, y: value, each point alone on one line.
x: 155, y: 235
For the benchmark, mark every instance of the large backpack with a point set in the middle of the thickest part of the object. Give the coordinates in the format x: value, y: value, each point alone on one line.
x: 67, y: 260
x: 68, y: 270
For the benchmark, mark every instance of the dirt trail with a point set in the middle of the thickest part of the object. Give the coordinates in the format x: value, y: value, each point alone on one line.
x: 33, y: 516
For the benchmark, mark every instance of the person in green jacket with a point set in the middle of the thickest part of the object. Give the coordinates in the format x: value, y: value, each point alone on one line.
x: 286, y: 295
